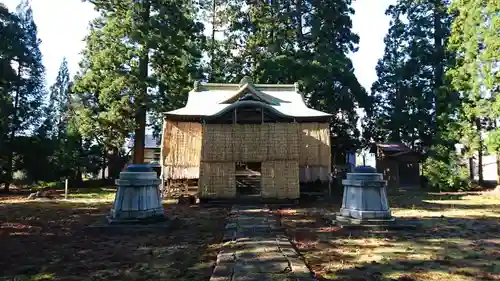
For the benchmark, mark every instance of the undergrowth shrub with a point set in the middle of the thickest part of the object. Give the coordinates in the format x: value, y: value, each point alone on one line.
x: 445, y: 172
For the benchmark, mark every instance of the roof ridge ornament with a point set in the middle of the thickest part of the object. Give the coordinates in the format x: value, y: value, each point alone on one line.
x: 246, y: 80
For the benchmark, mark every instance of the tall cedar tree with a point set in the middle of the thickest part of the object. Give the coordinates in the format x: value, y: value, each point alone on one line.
x: 57, y: 109
x: 27, y: 91
x: 59, y: 133
x: 139, y: 55
x: 410, y: 75
x: 416, y: 104
x: 289, y: 41
x: 11, y: 49
x: 476, y: 76
x: 213, y: 12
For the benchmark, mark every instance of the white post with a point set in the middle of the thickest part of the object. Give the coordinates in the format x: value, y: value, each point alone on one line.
x: 66, y: 189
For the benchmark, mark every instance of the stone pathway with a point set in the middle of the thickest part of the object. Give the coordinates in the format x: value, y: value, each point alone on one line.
x: 255, y: 249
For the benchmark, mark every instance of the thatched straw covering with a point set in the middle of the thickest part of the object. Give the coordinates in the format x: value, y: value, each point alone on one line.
x: 288, y: 152
x: 181, y: 149
x: 283, y: 141
x: 315, y: 152
x: 325, y: 152
x: 217, y: 143
x: 314, y: 144
x: 249, y: 142
x: 280, y: 179
x: 217, y: 180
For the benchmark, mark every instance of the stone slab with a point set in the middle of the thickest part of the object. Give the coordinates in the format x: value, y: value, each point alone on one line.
x: 239, y: 249
x: 226, y: 257
x: 246, y: 232
x: 262, y: 266
x: 254, y: 226
x: 222, y: 272
x: 289, y: 252
x: 257, y: 250
x: 241, y: 276
x: 302, y: 276
x: 243, y: 219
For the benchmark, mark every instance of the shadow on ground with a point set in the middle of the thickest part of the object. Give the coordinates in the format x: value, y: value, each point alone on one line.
x: 459, y: 240
x: 46, y: 241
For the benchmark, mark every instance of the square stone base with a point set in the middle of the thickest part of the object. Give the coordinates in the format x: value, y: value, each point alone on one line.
x: 137, y: 215
x: 147, y: 220
x: 376, y: 224
x: 366, y: 215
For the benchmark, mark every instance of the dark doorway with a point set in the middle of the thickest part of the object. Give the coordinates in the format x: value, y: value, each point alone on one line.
x: 408, y: 174
x: 248, y: 178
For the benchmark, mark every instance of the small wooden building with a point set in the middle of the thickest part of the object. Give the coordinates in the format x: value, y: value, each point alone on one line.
x: 399, y: 164
x: 266, y: 129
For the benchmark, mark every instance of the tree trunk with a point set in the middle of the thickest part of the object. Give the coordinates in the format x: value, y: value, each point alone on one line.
x: 139, y: 138
x: 480, y: 152
x: 14, y: 128
x: 78, y: 162
x: 103, y: 171
x: 274, y: 14
x: 212, y: 49
x: 498, y: 168
x: 471, y: 168
x: 298, y: 18
x: 114, y: 162
x: 438, y: 59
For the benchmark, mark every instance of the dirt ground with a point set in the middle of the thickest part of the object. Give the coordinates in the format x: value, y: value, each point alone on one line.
x: 459, y: 240
x: 45, y: 240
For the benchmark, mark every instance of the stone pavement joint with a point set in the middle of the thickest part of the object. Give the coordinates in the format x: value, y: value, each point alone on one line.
x: 255, y: 249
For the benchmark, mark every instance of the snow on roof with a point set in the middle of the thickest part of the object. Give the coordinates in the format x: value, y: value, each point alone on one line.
x: 210, y: 99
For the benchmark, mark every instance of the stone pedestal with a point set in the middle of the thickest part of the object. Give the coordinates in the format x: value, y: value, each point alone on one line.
x: 365, y: 198
x: 138, y: 197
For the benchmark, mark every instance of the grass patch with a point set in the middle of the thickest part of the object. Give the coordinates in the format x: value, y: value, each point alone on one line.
x: 45, y: 241
x: 105, y: 193
x: 459, y: 241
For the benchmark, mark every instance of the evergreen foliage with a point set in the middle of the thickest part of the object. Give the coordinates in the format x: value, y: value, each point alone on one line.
x: 437, y: 85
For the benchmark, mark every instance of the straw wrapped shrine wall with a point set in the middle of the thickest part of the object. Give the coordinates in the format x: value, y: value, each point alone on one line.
x: 250, y: 143
x: 217, y: 180
x: 181, y: 150
x: 289, y: 152
x: 315, y: 152
x: 280, y: 179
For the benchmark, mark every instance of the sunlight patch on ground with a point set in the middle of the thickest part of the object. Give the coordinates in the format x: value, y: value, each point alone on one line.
x: 458, y: 213
x: 45, y: 241
x: 36, y: 277
x: 459, y: 241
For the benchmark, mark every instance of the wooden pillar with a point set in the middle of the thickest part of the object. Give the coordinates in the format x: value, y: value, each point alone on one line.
x: 162, y: 156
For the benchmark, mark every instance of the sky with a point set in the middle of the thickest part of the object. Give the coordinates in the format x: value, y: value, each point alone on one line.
x: 62, y: 25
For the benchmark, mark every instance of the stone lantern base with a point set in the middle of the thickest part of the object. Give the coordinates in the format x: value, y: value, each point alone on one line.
x: 365, y: 199
x: 344, y: 221
x: 137, y: 198
x: 365, y: 203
